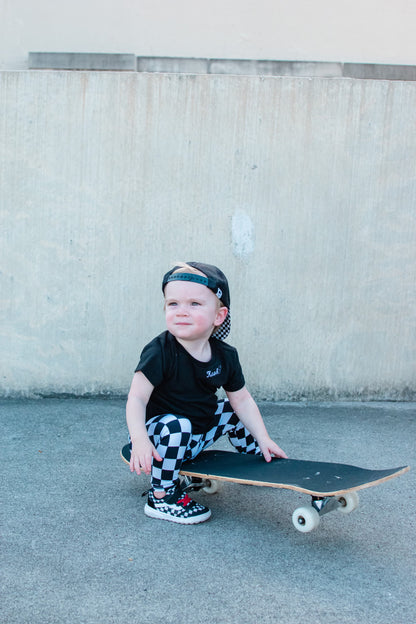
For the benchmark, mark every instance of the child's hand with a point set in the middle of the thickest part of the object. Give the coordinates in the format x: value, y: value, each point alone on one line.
x: 270, y: 448
x: 141, y: 457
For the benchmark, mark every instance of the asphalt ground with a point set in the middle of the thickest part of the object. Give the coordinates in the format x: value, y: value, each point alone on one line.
x: 76, y: 546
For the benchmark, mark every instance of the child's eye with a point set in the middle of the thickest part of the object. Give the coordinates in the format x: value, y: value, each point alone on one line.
x: 171, y: 304
x: 195, y: 303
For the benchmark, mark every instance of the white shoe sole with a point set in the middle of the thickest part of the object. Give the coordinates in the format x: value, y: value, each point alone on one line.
x: 154, y: 513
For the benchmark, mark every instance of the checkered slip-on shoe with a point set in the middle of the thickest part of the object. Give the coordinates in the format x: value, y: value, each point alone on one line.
x: 176, y: 506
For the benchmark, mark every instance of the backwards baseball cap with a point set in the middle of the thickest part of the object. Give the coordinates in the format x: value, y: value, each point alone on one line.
x: 214, y: 279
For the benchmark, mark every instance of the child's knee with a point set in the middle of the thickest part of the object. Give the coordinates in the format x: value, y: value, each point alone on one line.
x: 178, y: 428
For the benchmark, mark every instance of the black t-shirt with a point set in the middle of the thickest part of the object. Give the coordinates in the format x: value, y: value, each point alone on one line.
x: 185, y: 386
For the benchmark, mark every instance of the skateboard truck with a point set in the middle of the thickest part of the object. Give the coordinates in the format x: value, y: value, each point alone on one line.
x: 306, y: 519
x: 325, y: 505
x: 193, y: 484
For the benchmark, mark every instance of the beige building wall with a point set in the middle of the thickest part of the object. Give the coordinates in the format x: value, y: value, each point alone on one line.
x: 324, y: 30
x: 302, y: 190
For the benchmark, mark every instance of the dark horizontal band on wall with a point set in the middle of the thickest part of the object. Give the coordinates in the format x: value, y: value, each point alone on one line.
x: 82, y: 61
x: 182, y: 65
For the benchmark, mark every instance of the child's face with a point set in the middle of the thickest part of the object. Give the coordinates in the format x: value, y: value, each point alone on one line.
x: 192, y: 310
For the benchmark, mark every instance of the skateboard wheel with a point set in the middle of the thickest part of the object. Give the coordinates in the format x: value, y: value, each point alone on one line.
x: 211, y: 486
x: 305, y: 519
x: 348, y: 502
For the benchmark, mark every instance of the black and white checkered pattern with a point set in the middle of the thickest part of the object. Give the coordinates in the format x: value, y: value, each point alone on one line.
x: 224, y: 329
x: 172, y: 436
x: 176, y: 506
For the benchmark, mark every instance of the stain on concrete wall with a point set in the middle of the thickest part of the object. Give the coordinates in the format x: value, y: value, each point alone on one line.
x: 242, y: 233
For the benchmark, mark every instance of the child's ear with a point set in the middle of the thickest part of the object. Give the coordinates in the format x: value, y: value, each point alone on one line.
x: 221, y: 316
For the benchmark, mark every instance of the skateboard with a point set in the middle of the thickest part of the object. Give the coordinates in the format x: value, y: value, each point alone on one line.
x: 331, y: 486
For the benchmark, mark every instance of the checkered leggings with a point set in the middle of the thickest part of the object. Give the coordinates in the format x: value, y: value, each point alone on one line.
x: 173, y: 438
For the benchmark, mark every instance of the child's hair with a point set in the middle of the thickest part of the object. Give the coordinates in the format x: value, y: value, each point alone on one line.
x: 183, y: 267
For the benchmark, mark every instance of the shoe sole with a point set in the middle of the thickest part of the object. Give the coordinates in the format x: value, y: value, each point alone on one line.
x: 154, y: 513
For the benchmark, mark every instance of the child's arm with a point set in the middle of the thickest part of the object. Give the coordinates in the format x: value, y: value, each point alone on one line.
x: 142, y: 449
x: 246, y: 409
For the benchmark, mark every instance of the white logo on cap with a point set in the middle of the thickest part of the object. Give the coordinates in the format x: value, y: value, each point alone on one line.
x: 219, y: 293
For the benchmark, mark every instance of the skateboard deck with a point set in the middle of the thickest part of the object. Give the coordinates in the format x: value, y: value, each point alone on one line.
x: 331, y: 485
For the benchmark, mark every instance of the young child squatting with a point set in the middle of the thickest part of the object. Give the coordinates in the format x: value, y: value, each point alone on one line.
x: 172, y: 408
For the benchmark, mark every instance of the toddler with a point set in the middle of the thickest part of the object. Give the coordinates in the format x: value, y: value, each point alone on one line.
x: 172, y: 409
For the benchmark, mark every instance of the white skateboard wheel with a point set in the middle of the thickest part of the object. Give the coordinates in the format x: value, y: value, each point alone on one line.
x: 348, y: 502
x: 212, y: 486
x: 305, y: 519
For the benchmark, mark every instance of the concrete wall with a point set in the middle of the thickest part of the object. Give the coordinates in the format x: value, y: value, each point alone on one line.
x: 368, y: 31
x: 302, y: 190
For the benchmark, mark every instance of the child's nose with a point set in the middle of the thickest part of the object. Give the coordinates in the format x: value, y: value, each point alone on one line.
x: 183, y: 310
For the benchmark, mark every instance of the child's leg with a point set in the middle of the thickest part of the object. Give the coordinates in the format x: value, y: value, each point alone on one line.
x: 170, y: 435
x: 228, y: 423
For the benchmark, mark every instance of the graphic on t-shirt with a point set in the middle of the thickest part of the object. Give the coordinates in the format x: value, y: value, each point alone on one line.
x: 213, y: 373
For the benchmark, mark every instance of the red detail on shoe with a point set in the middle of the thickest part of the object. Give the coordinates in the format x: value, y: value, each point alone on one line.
x: 184, y: 501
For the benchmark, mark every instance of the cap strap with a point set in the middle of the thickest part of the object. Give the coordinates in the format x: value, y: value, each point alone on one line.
x: 197, y: 279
